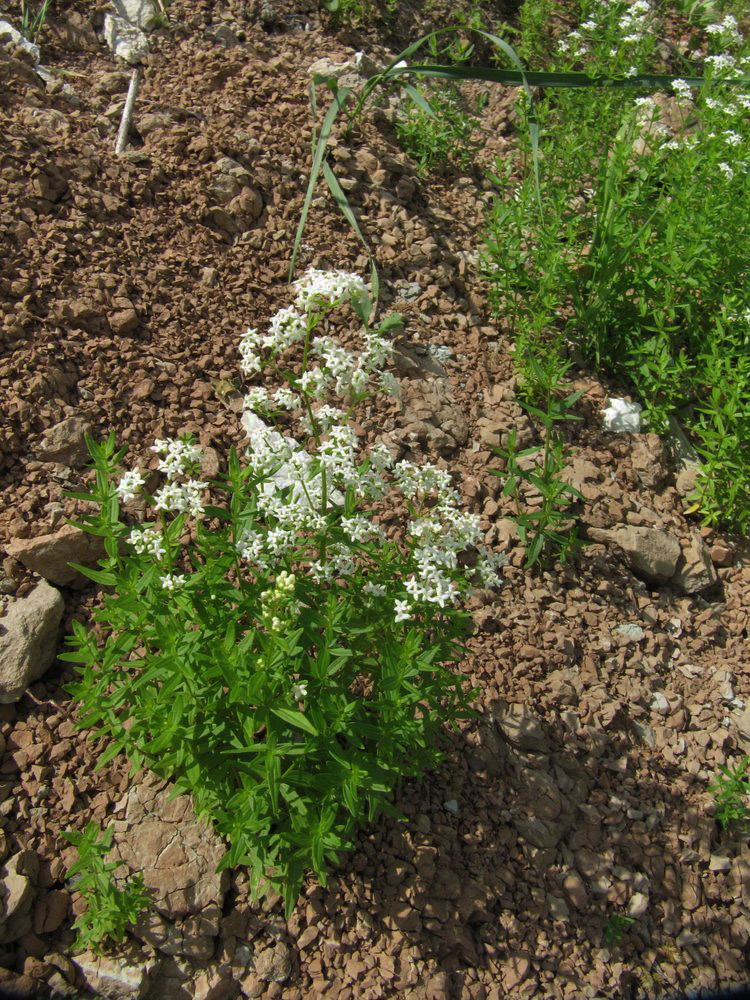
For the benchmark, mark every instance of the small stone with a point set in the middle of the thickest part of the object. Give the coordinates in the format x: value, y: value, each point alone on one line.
x: 659, y: 703
x: 575, y: 889
x: 721, y: 555
x: 686, y: 938
x: 637, y: 905
x: 631, y: 632
x: 209, y: 276
x: 308, y: 935
x: 275, y: 964
x: 558, y: 908
x: 718, y: 863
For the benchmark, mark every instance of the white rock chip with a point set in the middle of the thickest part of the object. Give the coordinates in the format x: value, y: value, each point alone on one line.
x: 125, y: 40
x: 622, y: 417
x: 140, y: 13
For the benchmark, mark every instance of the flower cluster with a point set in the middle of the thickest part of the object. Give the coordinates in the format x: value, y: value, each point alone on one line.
x: 146, y: 540
x: 129, y: 485
x: 177, y: 456
x: 279, y: 600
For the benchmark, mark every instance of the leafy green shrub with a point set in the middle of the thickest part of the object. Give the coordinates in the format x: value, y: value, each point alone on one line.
x: 110, y: 909
x: 275, y: 652
x: 731, y: 788
x: 640, y: 253
x: 437, y: 130
x: 549, y: 529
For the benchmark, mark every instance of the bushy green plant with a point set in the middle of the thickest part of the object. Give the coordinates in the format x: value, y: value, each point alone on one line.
x: 642, y: 238
x: 614, y: 929
x: 275, y: 651
x: 110, y: 908
x: 550, y: 529
x: 437, y: 131
x: 731, y: 788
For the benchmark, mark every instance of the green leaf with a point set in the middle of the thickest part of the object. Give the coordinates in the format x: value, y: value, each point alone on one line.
x: 295, y: 718
x: 106, y: 578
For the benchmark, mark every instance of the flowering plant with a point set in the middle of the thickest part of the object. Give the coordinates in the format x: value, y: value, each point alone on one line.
x: 267, y: 642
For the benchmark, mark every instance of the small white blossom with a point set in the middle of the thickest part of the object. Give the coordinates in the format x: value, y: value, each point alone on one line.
x: 172, y: 581
x: 732, y: 138
x: 374, y: 589
x: 146, y: 540
x: 726, y: 170
x: 682, y: 88
x: 175, y: 457
x: 317, y: 289
x: 403, y: 611
x: 299, y: 691
x: 129, y: 485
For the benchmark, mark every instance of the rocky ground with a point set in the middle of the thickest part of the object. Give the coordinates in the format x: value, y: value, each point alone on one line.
x: 610, y: 690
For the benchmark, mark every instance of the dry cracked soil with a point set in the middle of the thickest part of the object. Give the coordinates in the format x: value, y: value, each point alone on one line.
x: 608, y: 697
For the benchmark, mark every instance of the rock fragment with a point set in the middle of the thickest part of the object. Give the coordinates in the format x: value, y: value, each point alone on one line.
x: 65, y: 442
x: 50, y: 555
x: 125, y: 976
x: 651, y: 552
x: 28, y: 640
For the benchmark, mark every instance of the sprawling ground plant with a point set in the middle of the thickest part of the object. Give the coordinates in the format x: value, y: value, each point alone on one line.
x: 262, y: 640
x: 632, y: 251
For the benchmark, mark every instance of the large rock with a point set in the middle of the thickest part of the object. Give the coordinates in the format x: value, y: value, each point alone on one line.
x: 49, y: 555
x: 178, y: 856
x: 65, y: 442
x: 126, y: 976
x: 125, y: 40
x: 651, y: 552
x: 695, y: 569
x: 28, y: 640
x: 18, y: 878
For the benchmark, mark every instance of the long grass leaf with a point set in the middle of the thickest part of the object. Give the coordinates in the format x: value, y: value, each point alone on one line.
x: 339, y: 99
x: 346, y: 209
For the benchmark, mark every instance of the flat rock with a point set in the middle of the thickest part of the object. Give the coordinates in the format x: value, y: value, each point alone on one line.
x: 28, y: 640
x: 65, y: 442
x: 126, y: 976
x: 520, y: 726
x: 177, y: 855
x: 18, y: 39
x: 50, y: 555
x: 651, y: 552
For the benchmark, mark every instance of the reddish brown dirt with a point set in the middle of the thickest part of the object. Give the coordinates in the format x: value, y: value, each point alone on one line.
x: 122, y: 299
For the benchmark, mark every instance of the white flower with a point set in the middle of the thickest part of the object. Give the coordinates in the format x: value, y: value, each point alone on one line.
x: 726, y: 170
x: 732, y: 138
x: 375, y: 589
x: 722, y: 61
x: 256, y: 399
x: 286, y: 399
x: 403, y: 611
x: 682, y: 89
x: 176, y: 457
x: 146, y: 540
x: 299, y: 691
x: 172, y: 581
x: 129, y: 485
x: 181, y: 497
x: 287, y: 327
x: 317, y: 289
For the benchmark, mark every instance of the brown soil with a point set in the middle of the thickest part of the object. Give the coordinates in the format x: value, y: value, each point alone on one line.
x: 123, y: 293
